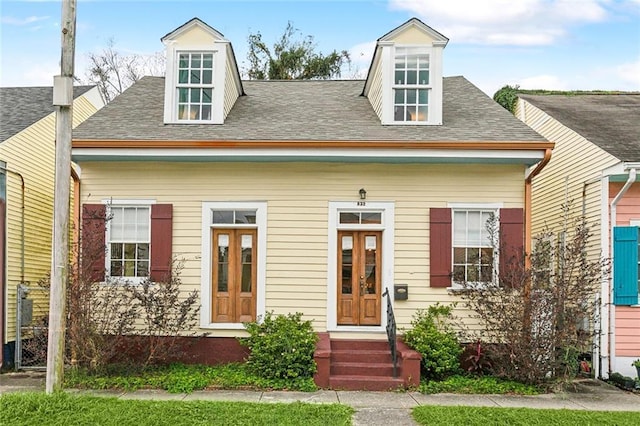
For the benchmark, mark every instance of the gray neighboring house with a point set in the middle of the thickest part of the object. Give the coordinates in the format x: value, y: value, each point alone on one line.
x: 27, y: 159
x: 594, y: 168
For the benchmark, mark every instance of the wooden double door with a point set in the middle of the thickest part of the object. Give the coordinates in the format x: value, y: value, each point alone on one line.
x: 233, y: 275
x: 359, y: 277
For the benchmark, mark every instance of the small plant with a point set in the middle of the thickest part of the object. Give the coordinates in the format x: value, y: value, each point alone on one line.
x: 281, y: 346
x: 477, y: 360
x: 433, y: 337
x: 636, y: 363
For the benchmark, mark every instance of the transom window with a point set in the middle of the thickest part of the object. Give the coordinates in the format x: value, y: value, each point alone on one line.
x: 228, y: 217
x: 473, y: 247
x: 129, y: 240
x: 411, y: 85
x: 195, y: 86
x: 361, y: 218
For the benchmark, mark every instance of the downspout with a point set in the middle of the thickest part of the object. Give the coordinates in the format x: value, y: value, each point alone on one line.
x: 76, y: 205
x: 2, y: 290
x: 527, y: 202
x: 612, y: 307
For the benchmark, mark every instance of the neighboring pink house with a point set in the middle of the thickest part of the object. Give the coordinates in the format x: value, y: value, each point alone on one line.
x: 595, y: 167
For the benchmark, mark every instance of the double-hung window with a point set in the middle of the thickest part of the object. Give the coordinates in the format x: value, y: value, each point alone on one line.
x: 411, y: 85
x: 473, y: 246
x: 129, y: 241
x: 195, y: 86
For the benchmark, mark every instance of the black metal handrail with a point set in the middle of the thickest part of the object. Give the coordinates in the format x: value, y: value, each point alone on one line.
x: 391, y: 332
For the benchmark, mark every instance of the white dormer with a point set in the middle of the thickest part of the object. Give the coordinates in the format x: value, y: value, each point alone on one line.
x: 202, y: 81
x: 404, y: 84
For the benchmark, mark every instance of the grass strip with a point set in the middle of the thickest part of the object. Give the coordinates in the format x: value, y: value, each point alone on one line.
x: 469, y: 416
x: 64, y: 409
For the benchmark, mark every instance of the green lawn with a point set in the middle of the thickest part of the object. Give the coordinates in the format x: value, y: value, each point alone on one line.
x: 65, y: 409
x: 469, y: 416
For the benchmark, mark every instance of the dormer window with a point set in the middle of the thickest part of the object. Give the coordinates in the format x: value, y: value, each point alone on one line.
x: 195, y: 86
x: 411, y: 84
x: 202, y: 82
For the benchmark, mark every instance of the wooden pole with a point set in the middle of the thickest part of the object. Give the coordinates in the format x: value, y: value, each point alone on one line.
x: 63, y: 99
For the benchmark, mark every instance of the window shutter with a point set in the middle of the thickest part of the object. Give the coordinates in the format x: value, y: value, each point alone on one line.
x: 625, y: 265
x: 161, y: 240
x: 93, y: 246
x: 511, y: 241
x: 440, y: 247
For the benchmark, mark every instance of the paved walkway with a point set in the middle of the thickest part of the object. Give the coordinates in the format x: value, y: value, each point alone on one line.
x: 374, y: 408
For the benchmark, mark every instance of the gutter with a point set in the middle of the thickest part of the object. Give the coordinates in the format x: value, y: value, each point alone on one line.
x: 22, y: 256
x: 612, y: 307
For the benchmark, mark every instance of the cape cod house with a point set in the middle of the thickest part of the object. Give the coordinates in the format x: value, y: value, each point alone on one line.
x: 27, y: 164
x: 337, y: 199
x: 595, y: 168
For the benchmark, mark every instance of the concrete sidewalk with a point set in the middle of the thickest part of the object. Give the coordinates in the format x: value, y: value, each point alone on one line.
x: 373, y: 408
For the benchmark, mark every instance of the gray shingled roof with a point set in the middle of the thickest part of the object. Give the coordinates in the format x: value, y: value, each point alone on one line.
x: 304, y: 110
x: 612, y: 122
x: 20, y: 107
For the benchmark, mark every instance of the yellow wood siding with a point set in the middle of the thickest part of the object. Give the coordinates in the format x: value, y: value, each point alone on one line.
x: 412, y: 35
x: 297, y: 196
x: 195, y: 36
x: 375, y: 92
x: 230, y: 89
x: 575, y: 166
x: 32, y: 154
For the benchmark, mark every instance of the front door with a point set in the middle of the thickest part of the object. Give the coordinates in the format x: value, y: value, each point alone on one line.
x: 233, y: 276
x: 359, y: 277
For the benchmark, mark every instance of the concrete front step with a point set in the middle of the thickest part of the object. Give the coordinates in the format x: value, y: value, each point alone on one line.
x: 362, y: 369
x: 370, y: 383
x: 353, y: 355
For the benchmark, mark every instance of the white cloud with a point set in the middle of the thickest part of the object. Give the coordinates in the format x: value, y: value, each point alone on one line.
x: 10, y: 20
x: 629, y: 73
x: 544, y: 82
x: 361, y: 55
x: 504, y: 22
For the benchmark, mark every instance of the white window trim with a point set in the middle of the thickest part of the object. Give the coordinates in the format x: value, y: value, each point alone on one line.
x: 387, y: 208
x: 171, y: 81
x: 435, y: 84
x: 205, y: 278
x: 473, y: 206
x: 107, y: 256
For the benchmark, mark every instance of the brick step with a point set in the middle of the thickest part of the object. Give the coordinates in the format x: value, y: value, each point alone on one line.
x: 372, y: 383
x: 347, y: 355
x: 362, y: 369
x: 369, y: 345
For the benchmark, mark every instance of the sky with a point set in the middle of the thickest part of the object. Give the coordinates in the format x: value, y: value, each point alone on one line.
x: 536, y: 44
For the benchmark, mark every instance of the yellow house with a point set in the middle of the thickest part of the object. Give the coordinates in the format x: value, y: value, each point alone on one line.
x: 342, y: 200
x: 595, y: 168
x: 27, y: 163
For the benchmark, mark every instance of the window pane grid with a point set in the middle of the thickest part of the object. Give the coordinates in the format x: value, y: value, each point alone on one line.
x: 411, y: 81
x: 194, y: 89
x: 129, y: 241
x: 473, y: 253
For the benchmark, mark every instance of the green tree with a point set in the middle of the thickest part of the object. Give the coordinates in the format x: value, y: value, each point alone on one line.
x: 292, y: 58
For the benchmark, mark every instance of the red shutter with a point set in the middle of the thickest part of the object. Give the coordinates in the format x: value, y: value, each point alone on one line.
x: 93, y: 241
x: 161, y: 241
x: 440, y: 247
x: 511, y: 241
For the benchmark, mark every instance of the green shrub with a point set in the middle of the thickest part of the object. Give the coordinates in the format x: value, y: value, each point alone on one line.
x: 281, y: 346
x: 433, y: 337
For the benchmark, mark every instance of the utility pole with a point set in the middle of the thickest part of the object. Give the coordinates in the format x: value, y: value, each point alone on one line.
x: 63, y: 100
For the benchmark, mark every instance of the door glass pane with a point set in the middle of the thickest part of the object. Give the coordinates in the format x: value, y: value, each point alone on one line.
x: 223, y: 262
x: 247, y: 256
x: 347, y: 264
x: 370, y: 246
